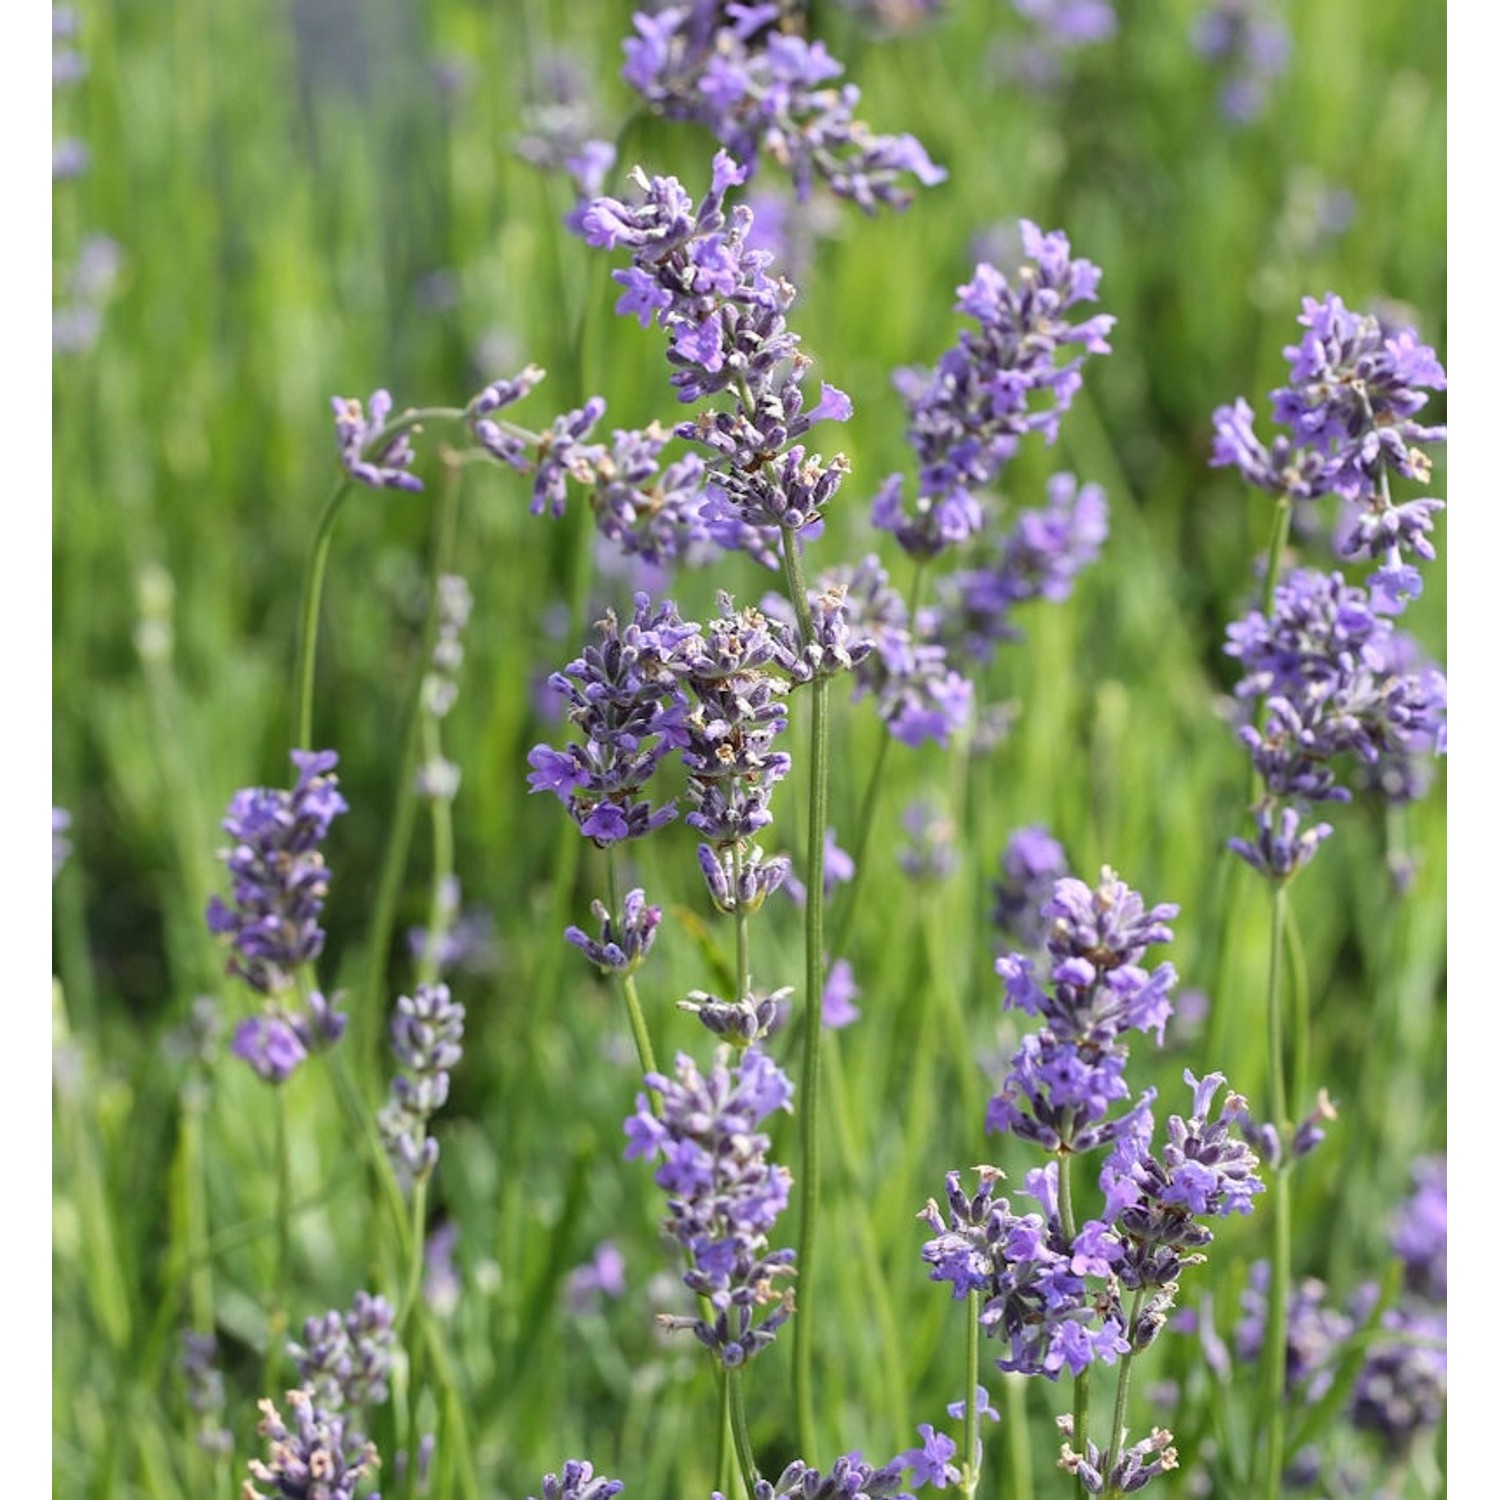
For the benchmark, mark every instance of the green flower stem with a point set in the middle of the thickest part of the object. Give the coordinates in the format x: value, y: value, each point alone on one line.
x: 724, y: 1461
x: 633, y: 1009
x: 1017, y: 1437
x: 817, y: 823
x: 276, y: 1317
x: 734, y: 1384
x: 1281, y: 526
x: 969, y: 1483
x: 362, y: 1120
x: 1122, y: 1395
x: 312, y: 599
x: 1081, y: 1380
x: 741, y: 930
x: 1273, y: 1413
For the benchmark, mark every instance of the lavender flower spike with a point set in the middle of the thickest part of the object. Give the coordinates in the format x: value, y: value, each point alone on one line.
x: 319, y: 1459
x: 365, y: 457
x: 279, y: 880
x: 345, y: 1359
x: 623, y: 944
x: 578, y: 1482
x: 724, y: 1196
x: 427, y: 1038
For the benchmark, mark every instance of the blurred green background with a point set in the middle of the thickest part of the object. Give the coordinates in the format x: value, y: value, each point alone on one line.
x: 324, y: 197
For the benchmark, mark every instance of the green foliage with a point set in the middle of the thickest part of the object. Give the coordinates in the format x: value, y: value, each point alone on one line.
x: 301, y: 215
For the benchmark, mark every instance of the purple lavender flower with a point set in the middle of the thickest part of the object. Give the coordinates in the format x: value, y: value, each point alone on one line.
x: 1038, y: 558
x: 1419, y: 1233
x: 622, y: 945
x: 602, y: 1275
x: 850, y: 1478
x: 932, y: 855
x: 660, y: 515
x: 839, y: 992
x: 932, y: 1463
x: 345, y: 1359
x: 966, y: 417
x: 1402, y: 1387
x: 508, y: 445
x: 1251, y: 45
x: 724, y: 1196
x: 1136, y: 1467
x: 730, y: 670
x: 1155, y: 1203
x: 367, y: 454
x: 751, y: 1018
x: 838, y: 869
x: 279, y: 880
x: 1031, y: 1280
x: 62, y: 821
x: 205, y: 1390
x: 1317, y: 1333
x: 427, y: 1031
x: 466, y: 943
x: 319, y: 1459
x: 747, y: 889
x: 693, y: 274
x: 271, y: 1045
x: 1328, y: 666
x: 761, y: 90
x: 625, y: 703
x: 1032, y: 863
x: 918, y: 694
x: 1355, y: 387
x: 578, y: 1482
x: 442, y: 1285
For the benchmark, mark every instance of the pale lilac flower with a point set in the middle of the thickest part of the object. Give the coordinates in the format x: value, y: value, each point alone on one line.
x: 838, y: 869
x: 1031, y: 865
x: 1419, y: 1233
x: 724, y: 1195
x: 602, y: 1275
x: 368, y: 455
x: 345, y: 1359
x: 1136, y: 1467
x: 319, y: 1458
x: 767, y: 92
x: 839, y: 992
x: 578, y: 1482
x: 1252, y: 46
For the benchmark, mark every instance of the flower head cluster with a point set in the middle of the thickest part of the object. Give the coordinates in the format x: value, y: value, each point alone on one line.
x: 345, y: 1359
x: 1354, y: 389
x: 850, y: 1478
x: 1155, y: 1203
x: 623, y: 944
x: 579, y: 1482
x: 1419, y: 1233
x: 1402, y: 1387
x: 1135, y: 1468
x: 316, y: 1459
x: 917, y: 692
x: 741, y: 1022
x: 1317, y: 1332
x: 279, y: 880
x: 1065, y: 1078
x: 1039, y: 557
x: 724, y: 1195
x: 966, y: 417
x: 629, y: 711
x: 1031, y: 865
x: 724, y: 314
x: 501, y: 441
x: 732, y: 670
x: 279, y: 1040
x: 1032, y: 1280
x: 762, y: 90
x: 205, y: 1390
x: 368, y: 454
x: 1329, y: 668
x: 1251, y: 44
x: 427, y: 1033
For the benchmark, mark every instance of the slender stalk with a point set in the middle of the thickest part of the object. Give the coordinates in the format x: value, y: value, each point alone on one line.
x: 1281, y: 525
x: 741, y: 930
x: 627, y: 984
x: 725, y: 1457
x: 734, y: 1385
x: 817, y: 823
x: 1273, y: 1413
x: 276, y: 1318
x: 1017, y: 1437
x: 969, y: 1483
x: 312, y: 599
x: 1081, y: 1380
x: 1122, y: 1395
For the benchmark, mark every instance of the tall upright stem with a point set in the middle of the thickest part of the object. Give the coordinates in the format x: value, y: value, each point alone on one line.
x: 817, y: 823
x: 627, y: 984
x: 734, y: 1383
x: 1080, y: 1380
x: 969, y: 1483
x: 312, y: 599
x: 1274, y: 1349
x: 1122, y: 1394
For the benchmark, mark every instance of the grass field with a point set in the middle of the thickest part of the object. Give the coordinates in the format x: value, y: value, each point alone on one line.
x: 310, y: 199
